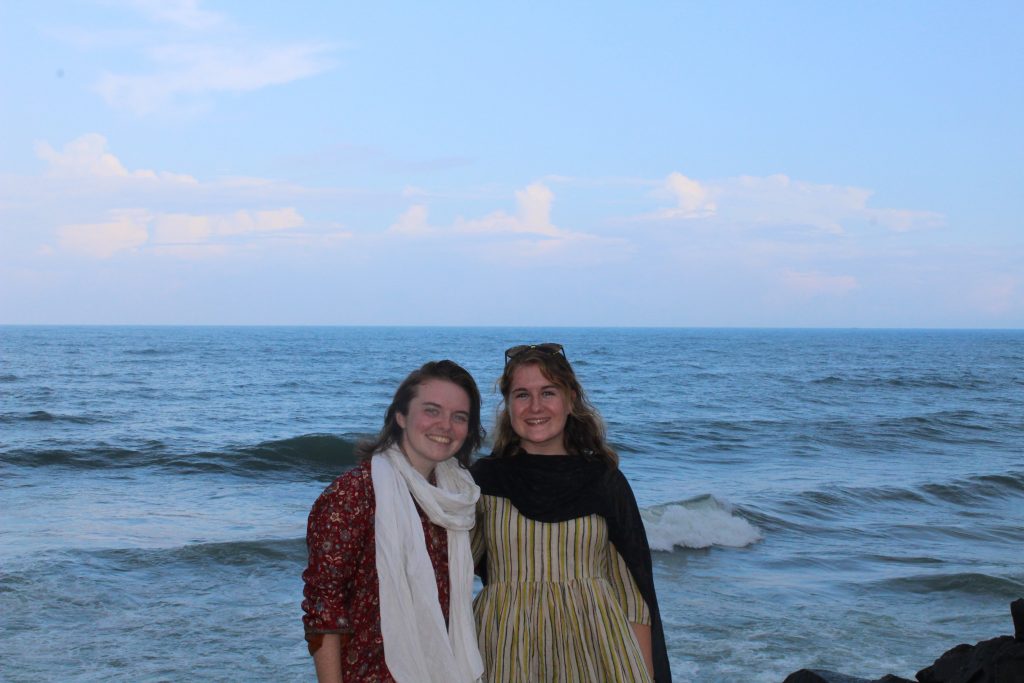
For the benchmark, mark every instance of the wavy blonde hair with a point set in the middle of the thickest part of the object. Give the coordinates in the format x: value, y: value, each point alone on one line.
x: 584, y: 429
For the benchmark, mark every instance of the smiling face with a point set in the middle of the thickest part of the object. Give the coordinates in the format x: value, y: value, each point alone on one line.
x: 538, y: 409
x: 436, y: 425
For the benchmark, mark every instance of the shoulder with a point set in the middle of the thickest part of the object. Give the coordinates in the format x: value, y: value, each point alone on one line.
x: 355, y: 486
x: 615, y: 484
x: 484, y: 462
x: 486, y: 467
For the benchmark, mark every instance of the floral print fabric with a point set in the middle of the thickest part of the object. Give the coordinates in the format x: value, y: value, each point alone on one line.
x: 341, y: 589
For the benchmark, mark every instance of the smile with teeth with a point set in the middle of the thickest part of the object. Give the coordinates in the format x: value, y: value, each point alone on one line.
x: 437, y: 438
x: 533, y: 422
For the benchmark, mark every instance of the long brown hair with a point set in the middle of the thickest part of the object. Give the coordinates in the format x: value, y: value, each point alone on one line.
x: 391, y: 432
x: 584, y: 428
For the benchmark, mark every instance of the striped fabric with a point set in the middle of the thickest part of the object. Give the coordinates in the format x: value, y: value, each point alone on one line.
x: 558, y: 601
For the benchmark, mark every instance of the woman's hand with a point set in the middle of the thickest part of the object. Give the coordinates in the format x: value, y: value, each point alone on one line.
x: 643, y: 638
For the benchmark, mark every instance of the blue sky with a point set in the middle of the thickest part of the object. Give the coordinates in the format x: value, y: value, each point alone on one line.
x: 576, y: 163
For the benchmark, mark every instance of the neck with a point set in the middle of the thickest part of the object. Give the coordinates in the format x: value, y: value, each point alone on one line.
x: 426, y: 471
x: 425, y: 468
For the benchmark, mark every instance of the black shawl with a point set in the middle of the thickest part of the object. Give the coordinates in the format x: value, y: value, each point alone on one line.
x: 557, y: 488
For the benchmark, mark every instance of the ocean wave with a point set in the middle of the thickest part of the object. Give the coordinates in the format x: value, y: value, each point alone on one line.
x: 231, y: 553
x: 317, y: 453
x: 147, y: 352
x: 908, y: 559
x: 87, y: 458
x: 950, y: 427
x: 194, y: 556
x: 8, y: 378
x: 971, y: 583
x: 699, y: 522
x: 44, y: 416
x: 922, y: 382
x: 977, y: 488
x: 831, y: 501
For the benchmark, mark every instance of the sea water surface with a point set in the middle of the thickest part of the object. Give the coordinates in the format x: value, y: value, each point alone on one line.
x: 842, y: 499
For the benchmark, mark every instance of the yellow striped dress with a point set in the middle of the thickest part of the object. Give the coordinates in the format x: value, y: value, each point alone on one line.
x: 558, y: 600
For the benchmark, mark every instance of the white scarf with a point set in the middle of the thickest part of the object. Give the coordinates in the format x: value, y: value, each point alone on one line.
x: 417, y: 647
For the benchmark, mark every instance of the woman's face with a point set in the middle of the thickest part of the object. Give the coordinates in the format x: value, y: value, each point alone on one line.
x: 538, y: 409
x: 436, y: 425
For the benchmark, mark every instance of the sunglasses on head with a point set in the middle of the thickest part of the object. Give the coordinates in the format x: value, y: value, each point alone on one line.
x: 547, y: 348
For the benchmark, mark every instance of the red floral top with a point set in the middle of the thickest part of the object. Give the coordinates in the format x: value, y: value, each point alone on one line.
x: 341, y: 588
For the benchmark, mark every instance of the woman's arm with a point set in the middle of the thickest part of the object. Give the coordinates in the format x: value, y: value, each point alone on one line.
x: 327, y: 659
x: 643, y: 638
x: 337, y: 534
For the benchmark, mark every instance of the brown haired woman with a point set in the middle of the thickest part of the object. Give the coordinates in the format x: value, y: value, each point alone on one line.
x: 389, y: 584
x: 569, y: 592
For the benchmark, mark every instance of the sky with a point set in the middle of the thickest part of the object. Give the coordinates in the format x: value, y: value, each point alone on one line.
x: 685, y: 164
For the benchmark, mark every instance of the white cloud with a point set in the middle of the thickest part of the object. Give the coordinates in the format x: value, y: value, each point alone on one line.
x: 779, y: 201
x: 180, y: 228
x: 87, y: 157
x: 176, y: 233
x: 528, y: 238
x: 126, y: 229
x: 84, y: 156
x: 904, y: 220
x: 693, y: 199
x: 532, y: 217
x: 413, y: 222
x: 247, y: 222
x: 187, y: 54
x: 184, y: 13
x: 193, y: 69
x: 98, y: 178
x: 814, y: 283
x: 535, y: 209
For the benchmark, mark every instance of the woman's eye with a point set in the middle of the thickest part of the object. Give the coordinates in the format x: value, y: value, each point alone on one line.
x: 461, y: 419
x: 431, y: 411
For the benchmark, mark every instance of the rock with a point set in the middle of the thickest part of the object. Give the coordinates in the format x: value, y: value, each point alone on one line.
x: 998, y: 660
x: 822, y: 676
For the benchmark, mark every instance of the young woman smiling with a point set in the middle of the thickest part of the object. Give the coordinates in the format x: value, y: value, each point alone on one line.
x: 388, y: 588
x: 569, y: 592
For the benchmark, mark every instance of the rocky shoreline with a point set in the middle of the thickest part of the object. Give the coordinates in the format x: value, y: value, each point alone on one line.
x: 997, y: 660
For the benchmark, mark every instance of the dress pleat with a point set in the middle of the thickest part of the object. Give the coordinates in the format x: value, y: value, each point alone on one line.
x: 558, y: 601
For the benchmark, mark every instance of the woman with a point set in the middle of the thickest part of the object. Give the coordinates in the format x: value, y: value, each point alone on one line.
x: 569, y: 593
x: 389, y: 584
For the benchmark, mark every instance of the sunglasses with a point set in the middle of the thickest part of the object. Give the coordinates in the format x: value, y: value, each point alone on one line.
x: 547, y: 348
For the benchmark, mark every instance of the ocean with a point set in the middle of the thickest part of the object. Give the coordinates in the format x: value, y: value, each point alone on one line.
x: 839, y: 499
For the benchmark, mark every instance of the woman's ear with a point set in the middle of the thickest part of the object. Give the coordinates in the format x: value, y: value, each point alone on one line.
x: 400, y: 419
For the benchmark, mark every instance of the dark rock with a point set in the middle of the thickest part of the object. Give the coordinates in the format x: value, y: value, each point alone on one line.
x: 998, y: 660
x: 822, y: 676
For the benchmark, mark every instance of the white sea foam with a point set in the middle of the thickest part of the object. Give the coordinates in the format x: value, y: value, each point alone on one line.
x: 700, y: 522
